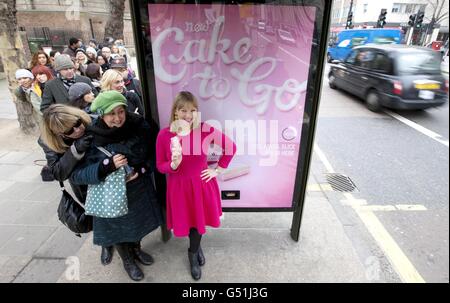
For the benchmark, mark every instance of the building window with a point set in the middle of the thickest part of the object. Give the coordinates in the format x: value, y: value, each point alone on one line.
x: 410, y: 8
x: 365, y: 7
x: 396, y: 8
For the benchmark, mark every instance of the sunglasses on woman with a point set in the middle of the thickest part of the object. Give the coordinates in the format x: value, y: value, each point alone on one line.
x: 76, y: 125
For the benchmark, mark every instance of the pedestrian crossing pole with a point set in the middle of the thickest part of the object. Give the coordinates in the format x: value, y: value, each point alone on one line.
x: 412, y: 25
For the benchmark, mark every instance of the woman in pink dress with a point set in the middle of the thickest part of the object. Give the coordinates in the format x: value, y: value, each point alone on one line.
x: 193, y: 196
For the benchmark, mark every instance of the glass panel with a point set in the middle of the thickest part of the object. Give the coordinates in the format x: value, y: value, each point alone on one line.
x: 249, y: 66
x: 419, y: 62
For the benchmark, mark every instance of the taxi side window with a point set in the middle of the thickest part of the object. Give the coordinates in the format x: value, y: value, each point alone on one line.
x: 382, y: 63
x: 364, y: 58
x: 352, y: 57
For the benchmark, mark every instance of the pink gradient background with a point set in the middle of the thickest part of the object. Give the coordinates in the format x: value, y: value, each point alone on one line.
x: 263, y: 187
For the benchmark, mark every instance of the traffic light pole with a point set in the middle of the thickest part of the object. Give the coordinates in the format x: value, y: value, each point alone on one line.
x: 350, y: 16
x: 412, y: 26
x: 409, y: 35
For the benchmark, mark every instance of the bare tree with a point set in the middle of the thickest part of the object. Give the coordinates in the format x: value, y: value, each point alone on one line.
x: 114, y: 26
x: 440, y: 13
x: 13, y: 57
x: 440, y: 10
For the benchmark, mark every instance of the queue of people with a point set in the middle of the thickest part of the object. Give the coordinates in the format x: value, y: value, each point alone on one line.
x: 92, y: 126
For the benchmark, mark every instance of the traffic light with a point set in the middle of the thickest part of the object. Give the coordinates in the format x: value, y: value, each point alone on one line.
x: 349, y: 20
x: 382, y: 18
x: 419, y: 19
x: 412, y: 20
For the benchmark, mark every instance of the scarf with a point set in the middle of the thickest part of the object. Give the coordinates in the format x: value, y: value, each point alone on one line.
x: 67, y: 82
x: 103, y: 135
x: 26, y: 90
x: 42, y: 87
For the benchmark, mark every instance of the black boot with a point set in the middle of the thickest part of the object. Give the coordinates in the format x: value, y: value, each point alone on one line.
x: 107, y: 254
x: 129, y: 264
x: 143, y: 257
x: 201, y: 257
x: 196, y: 272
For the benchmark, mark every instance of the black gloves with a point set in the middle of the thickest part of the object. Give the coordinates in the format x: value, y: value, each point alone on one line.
x: 83, y: 144
x: 105, y: 168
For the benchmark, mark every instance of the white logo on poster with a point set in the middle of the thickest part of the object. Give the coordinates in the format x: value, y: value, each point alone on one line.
x: 212, y: 86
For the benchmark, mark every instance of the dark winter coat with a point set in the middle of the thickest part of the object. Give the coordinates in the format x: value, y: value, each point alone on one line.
x: 144, y: 212
x: 56, y: 92
x: 134, y: 102
x: 62, y: 165
x: 134, y: 85
x: 70, y: 51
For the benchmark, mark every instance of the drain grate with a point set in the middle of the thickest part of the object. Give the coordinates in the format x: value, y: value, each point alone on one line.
x: 341, y: 183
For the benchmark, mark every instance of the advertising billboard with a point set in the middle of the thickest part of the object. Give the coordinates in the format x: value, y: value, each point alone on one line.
x: 250, y: 68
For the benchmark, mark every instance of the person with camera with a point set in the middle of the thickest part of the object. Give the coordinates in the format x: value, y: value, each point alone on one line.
x: 127, y: 137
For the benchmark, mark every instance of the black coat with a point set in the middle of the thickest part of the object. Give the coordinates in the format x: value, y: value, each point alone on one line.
x: 56, y: 92
x: 62, y: 166
x: 134, y: 102
x: 144, y: 212
x: 134, y: 85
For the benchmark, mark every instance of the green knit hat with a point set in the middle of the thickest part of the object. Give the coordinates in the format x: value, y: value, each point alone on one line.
x: 105, y: 102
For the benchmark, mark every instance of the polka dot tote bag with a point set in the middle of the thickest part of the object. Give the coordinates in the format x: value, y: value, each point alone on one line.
x: 109, y: 198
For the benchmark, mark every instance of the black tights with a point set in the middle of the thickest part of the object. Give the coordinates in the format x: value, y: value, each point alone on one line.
x: 194, y: 240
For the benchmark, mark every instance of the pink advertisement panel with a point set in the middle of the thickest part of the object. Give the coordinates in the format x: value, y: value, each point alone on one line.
x: 248, y: 67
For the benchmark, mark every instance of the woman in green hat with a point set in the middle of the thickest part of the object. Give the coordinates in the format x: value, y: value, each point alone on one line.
x: 125, y: 135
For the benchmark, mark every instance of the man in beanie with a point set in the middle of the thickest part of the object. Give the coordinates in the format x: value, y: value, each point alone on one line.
x: 81, y: 96
x: 132, y: 84
x: 57, y: 90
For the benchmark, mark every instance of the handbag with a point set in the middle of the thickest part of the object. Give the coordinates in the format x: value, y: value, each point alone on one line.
x: 108, y: 199
x: 72, y: 214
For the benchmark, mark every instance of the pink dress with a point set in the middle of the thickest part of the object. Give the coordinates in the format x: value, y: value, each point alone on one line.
x: 192, y: 202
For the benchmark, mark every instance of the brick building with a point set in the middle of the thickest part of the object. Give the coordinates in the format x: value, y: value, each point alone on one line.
x: 54, y: 22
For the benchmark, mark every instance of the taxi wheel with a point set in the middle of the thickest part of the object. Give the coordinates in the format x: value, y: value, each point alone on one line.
x: 373, y: 101
x: 332, y: 81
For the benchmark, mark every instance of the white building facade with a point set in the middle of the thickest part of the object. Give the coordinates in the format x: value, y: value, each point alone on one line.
x: 366, y: 13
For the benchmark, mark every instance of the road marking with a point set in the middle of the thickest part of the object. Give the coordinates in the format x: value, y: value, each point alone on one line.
x: 324, y: 159
x: 402, y: 207
x: 394, y: 253
x: 319, y: 187
x: 397, y: 258
x: 411, y: 207
x: 418, y: 127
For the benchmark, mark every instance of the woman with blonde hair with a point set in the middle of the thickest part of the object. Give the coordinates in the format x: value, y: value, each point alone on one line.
x: 65, y: 143
x: 193, y: 195
x: 113, y: 80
